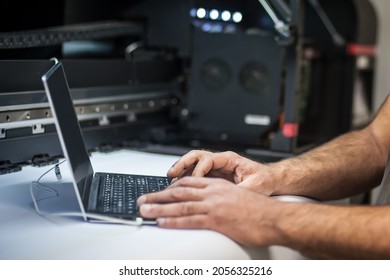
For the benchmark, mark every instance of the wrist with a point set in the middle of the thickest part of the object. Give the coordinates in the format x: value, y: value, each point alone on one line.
x: 284, y: 223
x: 272, y: 178
x: 260, y: 179
x: 278, y: 223
x: 282, y: 178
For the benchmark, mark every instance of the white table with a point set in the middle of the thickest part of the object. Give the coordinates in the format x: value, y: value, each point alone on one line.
x: 26, y: 235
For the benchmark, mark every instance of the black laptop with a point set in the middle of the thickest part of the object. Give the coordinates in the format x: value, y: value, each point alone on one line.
x: 99, y: 194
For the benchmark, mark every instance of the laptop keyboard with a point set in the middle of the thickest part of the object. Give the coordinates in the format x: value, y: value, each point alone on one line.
x: 119, y: 193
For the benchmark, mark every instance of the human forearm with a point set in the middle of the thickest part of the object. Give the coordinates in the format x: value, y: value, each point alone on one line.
x: 335, y: 232
x: 350, y: 164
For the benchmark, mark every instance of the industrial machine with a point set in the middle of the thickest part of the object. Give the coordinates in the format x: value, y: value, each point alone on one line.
x: 266, y: 78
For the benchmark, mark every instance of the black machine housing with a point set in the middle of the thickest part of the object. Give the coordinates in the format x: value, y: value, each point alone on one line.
x: 168, y: 76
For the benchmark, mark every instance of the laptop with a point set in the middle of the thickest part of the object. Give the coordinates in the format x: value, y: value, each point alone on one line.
x: 100, y: 195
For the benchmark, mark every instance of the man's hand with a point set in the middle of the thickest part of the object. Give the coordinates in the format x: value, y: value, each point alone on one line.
x: 227, y: 165
x: 213, y: 203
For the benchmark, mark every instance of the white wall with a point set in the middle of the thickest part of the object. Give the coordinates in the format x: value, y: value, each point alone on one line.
x: 382, y: 72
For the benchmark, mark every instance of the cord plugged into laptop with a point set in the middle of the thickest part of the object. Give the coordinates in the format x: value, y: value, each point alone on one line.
x: 58, y: 172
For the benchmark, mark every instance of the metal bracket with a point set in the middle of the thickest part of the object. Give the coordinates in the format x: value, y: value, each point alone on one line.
x: 38, y: 129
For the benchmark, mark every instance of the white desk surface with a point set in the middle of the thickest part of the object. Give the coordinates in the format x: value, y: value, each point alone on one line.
x: 26, y: 235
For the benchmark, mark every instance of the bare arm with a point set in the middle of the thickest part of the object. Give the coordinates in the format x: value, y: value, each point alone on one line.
x: 336, y: 232
x: 350, y: 164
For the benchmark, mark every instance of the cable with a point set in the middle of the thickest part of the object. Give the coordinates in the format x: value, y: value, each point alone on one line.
x: 55, y: 166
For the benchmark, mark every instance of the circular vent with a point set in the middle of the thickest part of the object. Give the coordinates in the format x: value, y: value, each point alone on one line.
x: 215, y: 74
x: 254, y: 78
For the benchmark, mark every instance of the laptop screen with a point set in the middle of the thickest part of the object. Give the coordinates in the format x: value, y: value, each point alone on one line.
x: 68, y: 128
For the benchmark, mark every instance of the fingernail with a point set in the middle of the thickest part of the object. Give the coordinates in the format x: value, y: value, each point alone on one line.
x: 145, y: 208
x: 161, y: 221
x: 170, y: 169
x: 141, y: 200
